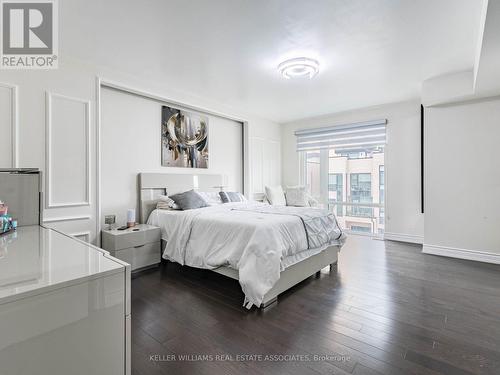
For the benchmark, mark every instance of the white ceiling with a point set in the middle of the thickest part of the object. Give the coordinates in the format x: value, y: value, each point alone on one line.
x: 371, y: 51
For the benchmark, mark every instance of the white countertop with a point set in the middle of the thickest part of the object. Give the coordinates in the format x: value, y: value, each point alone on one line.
x: 35, y: 259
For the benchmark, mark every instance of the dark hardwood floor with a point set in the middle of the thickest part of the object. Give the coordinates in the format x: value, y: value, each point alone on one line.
x: 387, y: 309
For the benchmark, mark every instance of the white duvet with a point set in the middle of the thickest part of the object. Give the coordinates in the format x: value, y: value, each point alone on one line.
x: 253, y: 243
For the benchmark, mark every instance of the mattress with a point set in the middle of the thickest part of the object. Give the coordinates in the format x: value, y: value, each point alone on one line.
x: 259, y: 245
x: 220, y: 226
x: 286, y: 261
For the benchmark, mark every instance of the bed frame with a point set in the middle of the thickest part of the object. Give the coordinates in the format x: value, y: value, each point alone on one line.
x: 151, y: 185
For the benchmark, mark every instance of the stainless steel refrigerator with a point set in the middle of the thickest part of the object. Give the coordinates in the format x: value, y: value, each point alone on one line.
x: 20, y: 190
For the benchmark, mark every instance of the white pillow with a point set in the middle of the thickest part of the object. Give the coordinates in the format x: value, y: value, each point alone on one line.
x: 297, y: 196
x: 275, y: 195
x: 166, y: 203
x: 212, y: 198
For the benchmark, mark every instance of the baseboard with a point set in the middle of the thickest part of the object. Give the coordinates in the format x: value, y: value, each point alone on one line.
x: 453, y: 252
x: 401, y: 237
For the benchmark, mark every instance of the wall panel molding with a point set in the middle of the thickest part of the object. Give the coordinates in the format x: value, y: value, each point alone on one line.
x: 66, y: 218
x: 50, y: 159
x: 14, y: 122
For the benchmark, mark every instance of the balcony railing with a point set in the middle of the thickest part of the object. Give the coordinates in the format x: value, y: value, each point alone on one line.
x: 356, y: 217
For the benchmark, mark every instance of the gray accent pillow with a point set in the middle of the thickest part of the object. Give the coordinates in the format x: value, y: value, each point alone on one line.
x: 189, y: 200
x: 230, y: 196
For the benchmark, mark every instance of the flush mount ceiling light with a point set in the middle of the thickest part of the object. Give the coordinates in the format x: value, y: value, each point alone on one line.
x: 299, y: 67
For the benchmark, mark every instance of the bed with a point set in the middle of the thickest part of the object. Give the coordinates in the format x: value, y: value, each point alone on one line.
x: 267, y: 249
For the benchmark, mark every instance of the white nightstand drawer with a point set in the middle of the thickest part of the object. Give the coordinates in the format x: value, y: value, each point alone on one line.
x: 118, y: 240
x: 140, y: 256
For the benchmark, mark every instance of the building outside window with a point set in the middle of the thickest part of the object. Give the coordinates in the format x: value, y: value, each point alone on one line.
x: 360, y: 192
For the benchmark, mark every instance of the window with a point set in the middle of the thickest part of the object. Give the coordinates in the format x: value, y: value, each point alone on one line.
x: 353, y: 188
x: 344, y: 170
x: 335, y: 191
x: 361, y: 192
x: 361, y: 187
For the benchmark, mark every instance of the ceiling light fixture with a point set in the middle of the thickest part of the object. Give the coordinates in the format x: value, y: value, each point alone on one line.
x: 299, y: 67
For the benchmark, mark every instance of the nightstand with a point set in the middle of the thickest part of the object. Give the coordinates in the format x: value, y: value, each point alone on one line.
x: 140, y: 246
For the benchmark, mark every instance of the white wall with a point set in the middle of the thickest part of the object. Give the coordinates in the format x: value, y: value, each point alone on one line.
x: 404, y: 220
x: 79, y: 82
x: 67, y: 119
x: 462, y: 180
x: 131, y: 140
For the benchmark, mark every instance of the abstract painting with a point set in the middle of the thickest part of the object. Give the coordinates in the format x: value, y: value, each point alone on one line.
x: 184, y: 138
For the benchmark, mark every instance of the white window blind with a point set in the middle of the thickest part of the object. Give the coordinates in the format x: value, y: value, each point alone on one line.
x: 349, y: 137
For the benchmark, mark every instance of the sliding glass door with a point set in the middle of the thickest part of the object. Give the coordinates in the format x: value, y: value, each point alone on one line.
x: 351, y: 184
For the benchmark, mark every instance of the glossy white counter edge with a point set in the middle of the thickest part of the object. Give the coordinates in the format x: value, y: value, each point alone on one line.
x: 128, y: 316
x: 78, y: 280
x: 128, y: 268
x: 122, y: 267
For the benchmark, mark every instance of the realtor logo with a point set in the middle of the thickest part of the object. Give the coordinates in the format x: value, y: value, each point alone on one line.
x: 29, y: 34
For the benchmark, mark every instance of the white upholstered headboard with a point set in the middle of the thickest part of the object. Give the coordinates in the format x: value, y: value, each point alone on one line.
x: 151, y: 185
